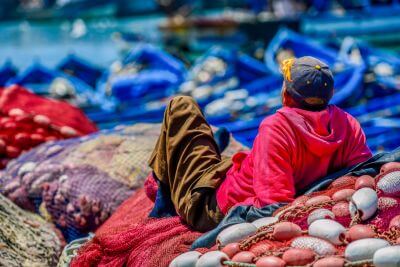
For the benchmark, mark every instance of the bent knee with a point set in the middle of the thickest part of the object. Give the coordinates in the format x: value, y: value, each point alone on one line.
x: 182, y: 102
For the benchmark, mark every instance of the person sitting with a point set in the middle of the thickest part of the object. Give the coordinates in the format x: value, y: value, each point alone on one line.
x: 302, y: 142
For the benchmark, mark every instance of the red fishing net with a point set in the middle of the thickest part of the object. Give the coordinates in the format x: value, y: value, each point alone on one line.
x: 27, y: 120
x: 129, y: 238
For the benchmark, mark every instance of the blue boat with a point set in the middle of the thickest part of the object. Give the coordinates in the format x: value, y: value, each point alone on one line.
x: 375, y: 23
x: 53, y: 83
x: 81, y: 69
x: 7, y: 72
x: 146, y: 74
x: 383, y: 67
x: 219, y: 71
x: 348, y: 77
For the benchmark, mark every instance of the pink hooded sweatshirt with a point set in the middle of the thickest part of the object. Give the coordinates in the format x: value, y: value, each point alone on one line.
x: 293, y: 149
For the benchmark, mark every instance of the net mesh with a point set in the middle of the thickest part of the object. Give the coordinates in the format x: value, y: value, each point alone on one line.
x: 77, y: 183
x: 129, y: 238
x: 137, y: 241
x: 26, y: 239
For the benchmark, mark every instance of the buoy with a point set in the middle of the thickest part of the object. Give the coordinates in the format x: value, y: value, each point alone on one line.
x: 389, y: 183
x: 343, y: 195
x: 319, y: 214
x: 365, y: 202
x: 329, y: 262
x: 212, y: 259
x: 359, y: 231
x: 270, y: 261
x: 231, y: 249
x: 364, y: 249
x: 341, y: 209
x: 365, y: 181
x: 385, y: 203
x: 16, y: 112
x: 390, y: 165
x: 235, y: 233
x: 244, y: 257
x: 329, y: 230
x: 298, y: 256
x: 68, y: 131
x: 264, y: 221
x: 42, y: 120
x: 344, y: 180
x: 187, y: 259
x: 285, y: 231
x: 317, y: 200
x: 387, y: 257
x: 395, y: 222
x: 319, y: 246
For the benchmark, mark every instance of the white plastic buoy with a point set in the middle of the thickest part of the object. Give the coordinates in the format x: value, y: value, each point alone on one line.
x: 390, y: 183
x: 364, y: 249
x: 235, y: 233
x: 319, y: 246
x: 387, y: 257
x: 264, y: 221
x: 319, y: 214
x: 212, y: 259
x: 364, y: 201
x: 329, y: 230
x: 187, y: 259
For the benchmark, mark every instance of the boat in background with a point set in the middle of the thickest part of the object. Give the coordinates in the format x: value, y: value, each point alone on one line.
x: 7, y: 72
x: 80, y: 68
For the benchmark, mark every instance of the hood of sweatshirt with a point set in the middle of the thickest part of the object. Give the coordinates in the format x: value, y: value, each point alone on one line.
x: 323, y: 132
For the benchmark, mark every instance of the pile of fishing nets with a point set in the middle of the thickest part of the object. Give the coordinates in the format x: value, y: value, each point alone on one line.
x: 355, y: 222
x: 78, y: 183
x: 27, y: 120
x: 130, y: 238
x: 26, y: 239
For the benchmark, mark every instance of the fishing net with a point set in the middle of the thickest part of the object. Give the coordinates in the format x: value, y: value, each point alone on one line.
x: 130, y: 238
x: 26, y: 239
x: 28, y: 120
x: 263, y: 242
x: 78, y: 183
x: 138, y: 241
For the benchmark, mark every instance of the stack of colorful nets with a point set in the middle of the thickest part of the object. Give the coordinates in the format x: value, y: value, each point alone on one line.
x: 355, y: 222
x: 26, y: 239
x: 78, y: 183
x: 27, y: 120
x: 130, y: 238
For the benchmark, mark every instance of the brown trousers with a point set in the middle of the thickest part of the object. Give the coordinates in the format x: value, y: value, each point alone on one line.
x: 187, y: 160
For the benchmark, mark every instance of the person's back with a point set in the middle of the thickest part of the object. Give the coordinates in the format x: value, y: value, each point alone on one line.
x: 302, y: 142
x: 293, y: 148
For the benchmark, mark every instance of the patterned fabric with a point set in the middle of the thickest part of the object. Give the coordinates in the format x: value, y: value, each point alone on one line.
x: 25, y: 238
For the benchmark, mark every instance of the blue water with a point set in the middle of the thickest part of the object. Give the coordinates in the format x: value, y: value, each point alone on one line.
x: 96, y: 40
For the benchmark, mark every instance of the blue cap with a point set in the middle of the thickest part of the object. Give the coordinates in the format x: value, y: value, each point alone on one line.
x: 309, y: 82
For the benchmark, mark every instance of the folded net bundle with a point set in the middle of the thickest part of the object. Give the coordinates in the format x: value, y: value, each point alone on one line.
x: 28, y: 120
x: 26, y: 239
x: 78, y: 183
x: 130, y: 238
x: 355, y: 222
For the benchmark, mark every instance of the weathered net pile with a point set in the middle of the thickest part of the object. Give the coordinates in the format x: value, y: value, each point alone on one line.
x: 27, y: 120
x: 130, y: 238
x: 78, y: 183
x: 355, y: 222
x: 26, y: 239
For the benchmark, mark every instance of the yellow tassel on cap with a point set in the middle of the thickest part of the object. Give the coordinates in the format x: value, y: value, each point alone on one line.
x: 318, y: 67
x: 286, y: 66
